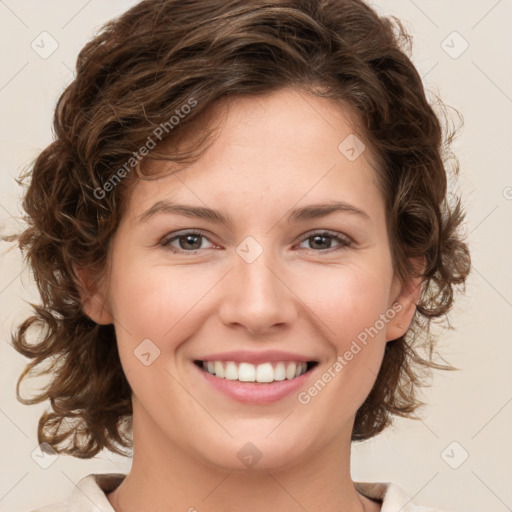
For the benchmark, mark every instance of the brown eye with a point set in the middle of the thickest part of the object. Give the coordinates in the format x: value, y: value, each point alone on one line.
x: 190, y: 241
x: 185, y: 242
x: 322, y: 241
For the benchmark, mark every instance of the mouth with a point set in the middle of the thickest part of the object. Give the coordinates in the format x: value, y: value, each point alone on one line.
x: 264, y: 373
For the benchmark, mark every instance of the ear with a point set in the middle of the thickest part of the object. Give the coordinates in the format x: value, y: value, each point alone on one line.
x: 404, y: 304
x: 94, y: 297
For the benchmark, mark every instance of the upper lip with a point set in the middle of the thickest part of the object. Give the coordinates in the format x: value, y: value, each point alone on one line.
x: 246, y: 356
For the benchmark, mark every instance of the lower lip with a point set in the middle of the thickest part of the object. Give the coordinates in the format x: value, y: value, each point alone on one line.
x: 255, y: 392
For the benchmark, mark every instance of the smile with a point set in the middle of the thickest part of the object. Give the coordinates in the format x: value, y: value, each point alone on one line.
x: 266, y: 372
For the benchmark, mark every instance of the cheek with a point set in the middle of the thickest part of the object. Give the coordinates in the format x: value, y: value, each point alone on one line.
x: 354, y: 314
x: 348, y: 301
x: 348, y: 308
x: 157, y: 302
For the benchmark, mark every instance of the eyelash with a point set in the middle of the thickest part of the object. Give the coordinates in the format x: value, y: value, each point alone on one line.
x: 344, y: 242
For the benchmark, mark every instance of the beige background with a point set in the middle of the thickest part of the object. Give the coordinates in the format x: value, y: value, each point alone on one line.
x: 472, y: 408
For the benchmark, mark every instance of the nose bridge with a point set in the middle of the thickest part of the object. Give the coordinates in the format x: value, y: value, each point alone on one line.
x: 259, y: 282
x: 256, y: 296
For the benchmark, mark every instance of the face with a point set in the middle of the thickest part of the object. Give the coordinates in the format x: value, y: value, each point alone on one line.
x: 271, y: 252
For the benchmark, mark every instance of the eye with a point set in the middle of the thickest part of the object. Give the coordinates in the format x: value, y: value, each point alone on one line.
x: 188, y: 241
x: 192, y: 241
x: 321, y: 241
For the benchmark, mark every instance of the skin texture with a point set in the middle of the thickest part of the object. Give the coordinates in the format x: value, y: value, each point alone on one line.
x: 273, y: 153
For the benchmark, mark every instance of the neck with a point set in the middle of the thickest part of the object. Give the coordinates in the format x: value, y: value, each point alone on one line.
x: 166, y: 477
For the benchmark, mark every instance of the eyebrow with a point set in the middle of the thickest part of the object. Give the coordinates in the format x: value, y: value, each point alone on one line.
x: 309, y: 212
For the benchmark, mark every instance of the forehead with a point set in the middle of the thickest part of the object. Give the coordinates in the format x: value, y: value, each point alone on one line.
x: 289, y: 142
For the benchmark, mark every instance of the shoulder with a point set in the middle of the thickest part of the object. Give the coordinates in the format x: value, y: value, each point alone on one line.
x: 88, y: 495
x: 392, y: 497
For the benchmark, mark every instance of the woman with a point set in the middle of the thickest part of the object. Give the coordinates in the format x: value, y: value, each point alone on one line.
x: 240, y: 235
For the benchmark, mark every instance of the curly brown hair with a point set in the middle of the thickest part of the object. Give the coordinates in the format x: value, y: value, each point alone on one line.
x: 133, y: 77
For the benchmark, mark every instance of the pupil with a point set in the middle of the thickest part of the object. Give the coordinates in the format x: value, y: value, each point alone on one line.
x: 190, y: 240
x: 316, y: 238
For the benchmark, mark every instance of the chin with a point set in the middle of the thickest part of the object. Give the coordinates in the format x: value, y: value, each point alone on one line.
x: 252, y: 453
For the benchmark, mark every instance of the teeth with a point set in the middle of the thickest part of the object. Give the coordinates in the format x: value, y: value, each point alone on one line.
x: 247, y: 372
x: 219, y: 369
x: 290, y: 370
x: 280, y: 372
x: 264, y: 373
x: 231, y: 371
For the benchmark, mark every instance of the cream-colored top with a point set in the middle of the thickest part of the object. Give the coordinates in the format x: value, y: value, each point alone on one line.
x: 89, y: 495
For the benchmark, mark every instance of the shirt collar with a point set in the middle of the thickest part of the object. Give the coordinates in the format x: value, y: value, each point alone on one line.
x: 89, y: 494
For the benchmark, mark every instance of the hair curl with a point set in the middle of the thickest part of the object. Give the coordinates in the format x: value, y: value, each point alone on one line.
x: 134, y: 75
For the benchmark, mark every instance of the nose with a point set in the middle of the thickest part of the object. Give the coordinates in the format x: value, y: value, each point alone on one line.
x: 257, y: 296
